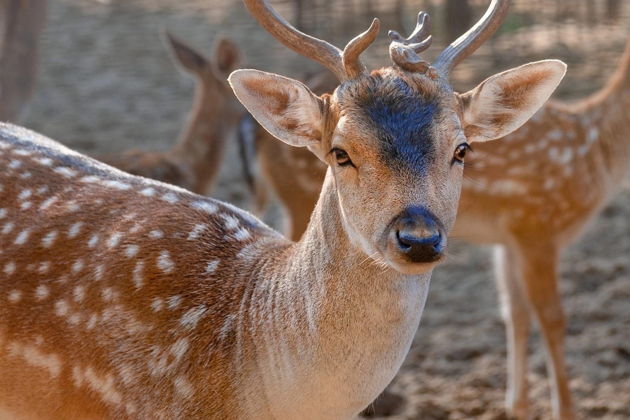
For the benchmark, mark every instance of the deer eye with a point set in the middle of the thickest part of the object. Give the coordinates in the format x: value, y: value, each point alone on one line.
x: 342, y: 157
x: 460, y: 152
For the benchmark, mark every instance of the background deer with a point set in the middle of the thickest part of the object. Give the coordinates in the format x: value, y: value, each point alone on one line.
x: 21, y: 22
x: 193, y: 162
x: 126, y: 297
x: 533, y: 194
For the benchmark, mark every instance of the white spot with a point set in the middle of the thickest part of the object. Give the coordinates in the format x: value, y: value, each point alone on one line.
x: 108, y: 294
x: 114, y: 239
x: 25, y: 175
x: 131, y: 251
x: 165, y: 263
x: 77, y: 266
x: 9, y: 268
x: 194, y: 234
x: 582, y: 150
x: 73, y: 206
x: 130, y: 408
x: 242, y: 234
x: 43, y: 267
x: 35, y: 357
x: 592, y: 135
x: 103, y: 385
x: 212, y: 266
x: 148, y: 192
x: 116, y: 184
x: 74, y: 229
x: 25, y: 194
x: 231, y: 222
x: 179, y: 348
x: 156, y: 234
x: 93, y: 241
x: 190, y: 319
x: 170, y: 198
x: 22, y: 237
x: 206, y: 206
x: 48, y: 203
x: 7, y: 228
x: 92, y: 321
x: 126, y: 372
x: 157, y: 304
x: 61, y: 308
x: 44, y: 161
x: 22, y: 152
x: 43, y: 189
x: 14, y: 164
x: 26, y: 205
x: 3, y: 213
x: 227, y: 326
x: 15, y: 296
x: 49, y: 239
x: 183, y: 387
x: 74, y: 319
x: 90, y: 179
x: 173, y: 301
x: 42, y: 292
x: 66, y: 172
x: 135, y: 228
x: 137, y: 274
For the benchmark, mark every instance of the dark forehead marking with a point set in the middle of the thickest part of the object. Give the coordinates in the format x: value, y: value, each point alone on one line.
x: 402, y: 119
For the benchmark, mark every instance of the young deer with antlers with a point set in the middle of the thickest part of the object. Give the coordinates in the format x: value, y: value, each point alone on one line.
x: 193, y: 163
x: 522, y: 194
x: 127, y: 298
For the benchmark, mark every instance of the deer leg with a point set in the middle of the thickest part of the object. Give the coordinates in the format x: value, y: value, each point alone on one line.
x: 517, y: 322
x: 540, y: 282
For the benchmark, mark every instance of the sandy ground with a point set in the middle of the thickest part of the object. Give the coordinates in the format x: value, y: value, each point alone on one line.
x: 107, y: 84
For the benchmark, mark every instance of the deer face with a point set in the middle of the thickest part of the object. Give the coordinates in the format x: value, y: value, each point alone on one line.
x: 394, y: 139
x: 391, y: 154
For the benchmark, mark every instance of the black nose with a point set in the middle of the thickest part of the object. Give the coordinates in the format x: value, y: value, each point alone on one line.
x: 418, y: 235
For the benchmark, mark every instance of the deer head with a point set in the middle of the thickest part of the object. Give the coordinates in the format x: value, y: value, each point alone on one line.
x: 394, y: 139
x: 213, y: 90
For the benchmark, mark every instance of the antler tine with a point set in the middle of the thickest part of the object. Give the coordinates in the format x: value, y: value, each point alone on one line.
x: 467, y: 43
x: 351, y: 62
x: 404, y: 51
x: 419, y: 34
x: 316, y: 49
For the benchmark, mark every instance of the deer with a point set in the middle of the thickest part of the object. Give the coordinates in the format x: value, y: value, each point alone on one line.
x: 193, y: 162
x: 21, y: 23
x: 124, y: 297
x: 519, y: 194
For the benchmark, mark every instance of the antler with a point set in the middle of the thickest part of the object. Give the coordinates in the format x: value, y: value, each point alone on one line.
x: 467, y: 43
x: 345, y: 65
x: 404, y: 51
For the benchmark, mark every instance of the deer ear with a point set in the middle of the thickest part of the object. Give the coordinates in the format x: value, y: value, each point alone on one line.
x: 284, y: 107
x: 226, y: 57
x: 503, y: 102
x: 189, y: 59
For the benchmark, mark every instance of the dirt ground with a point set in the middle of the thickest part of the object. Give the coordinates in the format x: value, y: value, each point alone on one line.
x: 107, y: 84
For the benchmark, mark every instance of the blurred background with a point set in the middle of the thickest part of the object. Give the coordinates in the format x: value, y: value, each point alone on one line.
x: 106, y: 83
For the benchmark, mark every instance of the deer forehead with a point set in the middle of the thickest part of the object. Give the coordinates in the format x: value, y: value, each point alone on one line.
x: 400, y: 116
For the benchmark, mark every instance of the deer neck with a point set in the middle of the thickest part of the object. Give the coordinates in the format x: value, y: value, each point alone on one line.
x: 200, y: 145
x: 331, y: 326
